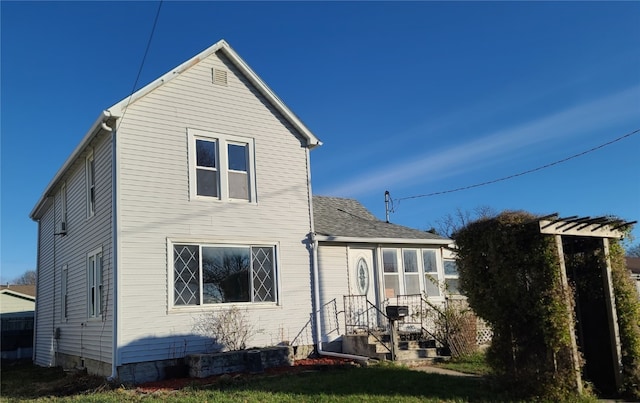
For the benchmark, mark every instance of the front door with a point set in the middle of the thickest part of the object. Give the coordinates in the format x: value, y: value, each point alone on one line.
x: 362, y: 274
x: 362, y: 281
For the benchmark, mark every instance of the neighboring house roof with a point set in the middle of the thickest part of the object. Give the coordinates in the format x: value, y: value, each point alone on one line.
x: 22, y: 291
x: 338, y: 219
x: 106, y: 119
x: 633, y: 264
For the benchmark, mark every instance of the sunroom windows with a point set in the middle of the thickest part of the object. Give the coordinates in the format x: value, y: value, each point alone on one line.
x: 206, y: 274
x: 410, y: 271
x: 220, y: 167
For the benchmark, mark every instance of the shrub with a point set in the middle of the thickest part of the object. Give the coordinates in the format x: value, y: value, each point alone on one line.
x: 228, y: 330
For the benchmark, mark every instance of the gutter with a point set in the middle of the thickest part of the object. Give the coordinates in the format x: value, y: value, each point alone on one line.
x: 98, y: 125
x: 316, y: 298
x: 417, y: 241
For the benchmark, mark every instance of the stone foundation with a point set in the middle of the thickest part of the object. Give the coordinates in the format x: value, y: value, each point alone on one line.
x: 204, y: 365
x: 93, y: 367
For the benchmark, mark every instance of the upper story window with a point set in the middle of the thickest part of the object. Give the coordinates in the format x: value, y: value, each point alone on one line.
x: 221, y: 167
x: 218, y: 274
x: 90, y: 173
x: 63, y: 206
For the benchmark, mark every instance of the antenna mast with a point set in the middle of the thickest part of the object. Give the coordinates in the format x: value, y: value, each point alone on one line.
x: 387, y: 197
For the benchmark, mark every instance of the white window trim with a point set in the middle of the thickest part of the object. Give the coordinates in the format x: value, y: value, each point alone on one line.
x: 98, y: 281
x: 221, y: 306
x: 91, y: 205
x: 222, y: 140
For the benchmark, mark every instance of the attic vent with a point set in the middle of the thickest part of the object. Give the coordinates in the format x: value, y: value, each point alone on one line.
x: 219, y: 76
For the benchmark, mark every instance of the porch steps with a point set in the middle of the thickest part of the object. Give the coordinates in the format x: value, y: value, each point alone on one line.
x: 411, y: 352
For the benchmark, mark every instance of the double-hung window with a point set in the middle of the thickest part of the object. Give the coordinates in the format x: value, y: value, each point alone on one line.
x: 451, y: 276
x: 94, y: 288
x: 221, y: 167
x: 431, y: 278
x: 391, y: 275
x: 411, y: 271
x: 90, y: 175
x: 216, y: 274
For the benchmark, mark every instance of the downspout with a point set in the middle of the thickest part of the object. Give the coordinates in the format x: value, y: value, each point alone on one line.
x: 316, y: 295
x: 114, y: 251
x: 316, y: 276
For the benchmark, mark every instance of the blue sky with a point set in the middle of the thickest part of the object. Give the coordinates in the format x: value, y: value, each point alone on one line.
x: 412, y: 97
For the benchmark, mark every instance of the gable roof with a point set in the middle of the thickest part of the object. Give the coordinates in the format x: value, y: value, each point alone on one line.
x: 223, y: 46
x: 22, y: 291
x: 107, y: 118
x: 347, y: 220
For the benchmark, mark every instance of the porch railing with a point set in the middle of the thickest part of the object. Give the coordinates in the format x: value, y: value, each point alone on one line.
x: 362, y: 316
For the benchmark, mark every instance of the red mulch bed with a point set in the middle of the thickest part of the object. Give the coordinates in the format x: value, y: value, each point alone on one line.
x: 307, y: 364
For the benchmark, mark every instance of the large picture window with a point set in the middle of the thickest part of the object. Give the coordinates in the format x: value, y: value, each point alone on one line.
x: 218, y: 274
x: 221, y: 166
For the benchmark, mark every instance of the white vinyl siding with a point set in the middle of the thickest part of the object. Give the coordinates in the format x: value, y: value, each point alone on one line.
x: 156, y: 205
x: 45, y: 303
x: 334, y: 284
x: 90, y: 339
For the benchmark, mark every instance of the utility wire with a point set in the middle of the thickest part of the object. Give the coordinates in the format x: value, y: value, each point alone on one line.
x: 144, y: 58
x: 523, y: 172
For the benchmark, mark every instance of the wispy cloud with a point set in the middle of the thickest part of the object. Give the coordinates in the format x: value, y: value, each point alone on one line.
x: 463, y: 158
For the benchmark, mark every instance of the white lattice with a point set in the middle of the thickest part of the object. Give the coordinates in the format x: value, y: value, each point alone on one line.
x: 484, y: 333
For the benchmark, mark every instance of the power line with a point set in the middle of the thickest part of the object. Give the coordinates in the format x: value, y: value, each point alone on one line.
x: 144, y: 58
x: 523, y: 172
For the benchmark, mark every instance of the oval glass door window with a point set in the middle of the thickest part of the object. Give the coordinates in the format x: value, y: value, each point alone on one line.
x: 362, y: 270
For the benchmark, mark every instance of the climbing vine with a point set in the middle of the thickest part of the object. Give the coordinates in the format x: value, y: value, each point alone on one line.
x: 511, y: 275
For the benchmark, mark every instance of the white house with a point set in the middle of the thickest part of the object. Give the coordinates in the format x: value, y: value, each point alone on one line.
x: 191, y: 196
x: 136, y: 228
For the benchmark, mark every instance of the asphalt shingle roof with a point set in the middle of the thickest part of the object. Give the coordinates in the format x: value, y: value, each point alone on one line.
x: 339, y: 217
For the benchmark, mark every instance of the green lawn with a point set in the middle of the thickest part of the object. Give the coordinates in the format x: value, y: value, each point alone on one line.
x: 473, y: 364
x: 372, y: 384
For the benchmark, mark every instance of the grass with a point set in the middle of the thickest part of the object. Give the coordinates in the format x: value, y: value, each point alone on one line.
x: 473, y: 364
x: 372, y: 384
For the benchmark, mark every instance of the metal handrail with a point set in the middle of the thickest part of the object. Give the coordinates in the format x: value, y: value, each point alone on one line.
x: 354, y: 319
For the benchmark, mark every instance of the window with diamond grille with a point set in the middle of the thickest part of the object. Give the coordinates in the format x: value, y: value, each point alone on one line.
x: 217, y: 274
x: 263, y: 275
x: 186, y: 274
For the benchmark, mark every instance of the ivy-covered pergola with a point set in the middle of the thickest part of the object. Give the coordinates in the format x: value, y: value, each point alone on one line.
x: 569, y: 233
x: 558, y: 297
